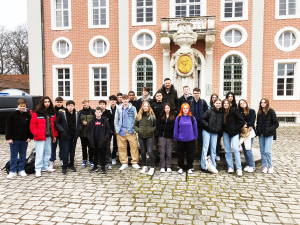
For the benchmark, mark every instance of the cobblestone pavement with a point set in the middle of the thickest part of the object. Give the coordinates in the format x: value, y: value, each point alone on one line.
x: 129, y: 197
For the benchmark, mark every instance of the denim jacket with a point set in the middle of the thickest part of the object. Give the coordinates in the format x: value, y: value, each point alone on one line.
x: 131, y: 114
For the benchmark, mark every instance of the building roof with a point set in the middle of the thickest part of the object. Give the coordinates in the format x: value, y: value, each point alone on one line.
x: 18, y: 81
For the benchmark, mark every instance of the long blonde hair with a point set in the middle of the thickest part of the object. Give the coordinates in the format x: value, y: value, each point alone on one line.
x: 149, y: 112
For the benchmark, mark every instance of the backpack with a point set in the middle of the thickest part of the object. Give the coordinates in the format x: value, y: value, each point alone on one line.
x: 192, y: 119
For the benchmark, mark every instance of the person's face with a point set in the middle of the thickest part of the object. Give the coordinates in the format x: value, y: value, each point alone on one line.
x: 218, y: 104
x: 243, y: 104
x: 119, y: 98
x: 145, y: 93
x: 263, y: 103
x: 214, y: 98
x: 46, y: 103
x: 85, y: 105
x: 113, y: 102
x: 146, y: 107
x: 226, y: 105
x: 125, y: 101
x: 197, y: 94
x: 168, y: 84
x: 59, y: 103
x: 22, y: 107
x: 70, y: 107
x: 185, y: 110
x: 159, y: 97
x: 230, y: 97
x: 131, y: 96
x: 186, y: 91
x: 167, y: 109
x: 98, y: 113
x: 102, y: 105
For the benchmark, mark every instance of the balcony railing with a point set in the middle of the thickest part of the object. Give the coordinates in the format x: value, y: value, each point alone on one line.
x: 199, y: 23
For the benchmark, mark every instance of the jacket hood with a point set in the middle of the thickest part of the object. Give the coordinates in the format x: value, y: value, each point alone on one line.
x: 87, y: 109
x: 17, y: 109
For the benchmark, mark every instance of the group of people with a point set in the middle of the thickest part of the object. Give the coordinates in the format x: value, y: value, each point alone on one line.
x: 133, y: 123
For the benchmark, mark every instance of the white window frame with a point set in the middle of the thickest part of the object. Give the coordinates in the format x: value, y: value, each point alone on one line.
x: 90, y: 16
x: 134, y: 71
x: 55, y: 80
x: 244, y: 80
x: 53, y: 16
x: 93, y: 40
x: 296, y: 77
x: 91, y: 81
x: 234, y: 27
x: 278, y: 17
x: 143, y: 31
x: 173, y: 5
x: 134, y: 23
x: 54, y: 45
x: 287, y: 29
x: 245, y: 12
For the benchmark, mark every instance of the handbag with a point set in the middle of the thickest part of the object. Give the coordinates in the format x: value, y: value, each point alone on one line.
x: 245, y: 132
x: 209, y: 165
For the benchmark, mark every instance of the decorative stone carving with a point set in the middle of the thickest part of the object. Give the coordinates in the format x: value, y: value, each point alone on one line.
x: 209, y: 43
x: 165, y: 42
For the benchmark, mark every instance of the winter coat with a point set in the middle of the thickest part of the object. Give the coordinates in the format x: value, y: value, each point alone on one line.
x: 146, y: 126
x: 212, y: 120
x: 234, y: 122
x: 87, y: 115
x: 271, y: 124
x: 250, y: 119
x: 165, y: 128
x: 139, y: 103
x: 170, y: 97
x: 157, y: 108
x: 104, y: 133
x: 134, y: 103
x: 131, y: 114
x: 62, y: 125
x: 109, y: 117
x: 112, y: 116
x: 186, y: 130
x: 202, y: 107
x: 182, y: 100
x: 38, y: 126
x: 17, y: 126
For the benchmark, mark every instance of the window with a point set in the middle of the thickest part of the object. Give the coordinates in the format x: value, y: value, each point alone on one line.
x: 98, y: 11
x: 287, y: 9
x: 144, y: 39
x: 62, y: 47
x: 233, y: 10
x: 99, y: 81
x: 234, y: 35
x: 287, y: 39
x: 199, y: 72
x: 188, y: 8
x: 233, y: 74
x: 99, y: 46
x: 143, y: 12
x: 61, y: 14
x: 287, y: 119
x: 62, y: 81
x: 144, y: 76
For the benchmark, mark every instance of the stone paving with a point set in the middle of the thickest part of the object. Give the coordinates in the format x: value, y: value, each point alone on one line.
x: 129, y: 197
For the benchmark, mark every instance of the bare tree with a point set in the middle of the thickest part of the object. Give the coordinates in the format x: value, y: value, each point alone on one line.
x: 6, y: 64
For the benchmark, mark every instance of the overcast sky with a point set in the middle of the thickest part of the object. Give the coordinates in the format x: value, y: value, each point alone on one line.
x: 13, y: 13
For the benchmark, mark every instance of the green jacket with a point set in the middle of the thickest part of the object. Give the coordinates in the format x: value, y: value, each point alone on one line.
x: 86, y: 115
x: 144, y: 127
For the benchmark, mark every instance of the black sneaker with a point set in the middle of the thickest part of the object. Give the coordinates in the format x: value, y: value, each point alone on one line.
x: 205, y: 171
x: 73, y: 169
x: 103, y: 171
x: 94, y: 170
x: 64, y: 171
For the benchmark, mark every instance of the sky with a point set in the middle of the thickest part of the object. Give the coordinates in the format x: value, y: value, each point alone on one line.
x: 13, y: 13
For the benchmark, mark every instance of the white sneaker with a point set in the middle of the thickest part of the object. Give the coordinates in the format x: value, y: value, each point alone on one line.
x: 145, y: 169
x: 218, y: 158
x: 61, y: 162
x: 239, y: 173
x: 124, y: 166
x: 22, y: 173
x: 11, y: 175
x: 51, y: 165
x: 180, y: 170
x: 162, y: 170
x: 230, y: 170
x: 136, y: 166
x: 251, y: 169
x: 113, y: 161
x: 246, y: 168
x: 265, y: 170
x: 169, y: 170
x: 271, y: 170
x: 49, y: 170
x: 190, y: 171
x: 151, y: 171
x: 38, y: 173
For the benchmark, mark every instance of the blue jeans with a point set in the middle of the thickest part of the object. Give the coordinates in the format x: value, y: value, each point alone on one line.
x: 228, y: 155
x: 43, y: 153
x: 211, y: 139
x: 15, y: 148
x: 53, y: 150
x: 249, y: 155
x: 68, y: 148
x: 265, y: 144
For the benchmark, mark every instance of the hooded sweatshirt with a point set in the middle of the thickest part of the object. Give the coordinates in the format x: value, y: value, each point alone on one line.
x: 187, y: 130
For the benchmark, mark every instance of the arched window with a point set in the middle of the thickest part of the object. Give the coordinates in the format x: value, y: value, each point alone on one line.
x: 144, y: 75
x: 233, y: 75
x: 199, y: 72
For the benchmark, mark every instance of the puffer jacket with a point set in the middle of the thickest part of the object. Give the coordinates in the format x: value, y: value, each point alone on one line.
x: 171, y: 97
x: 271, y: 124
x: 38, y: 126
x: 212, y: 120
x: 87, y: 115
x: 234, y: 122
x: 131, y: 114
x: 145, y: 127
x: 104, y: 134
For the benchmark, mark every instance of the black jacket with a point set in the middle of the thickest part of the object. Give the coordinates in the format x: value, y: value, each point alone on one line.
x: 139, y: 104
x: 104, y: 134
x: 250, y: 119
x: 107, y: 114
x: 17, y: 126
x: 271, y: 124
x: 62, y: 125
x: 212, y: 120
x: 170, y: 98
x: 165, y: 129
x: 134, y: 103
x: 234, y: 122
x: 56, y: 110
x: 182, y: 100
x: 157, y: 108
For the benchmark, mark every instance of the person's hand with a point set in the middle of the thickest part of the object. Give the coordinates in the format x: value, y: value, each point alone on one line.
x: 251, y: 128
x: 10, y: 141
x: 28, y: 140
x: 54, y: 139
x: 245, y: 126
x: 84, y: 123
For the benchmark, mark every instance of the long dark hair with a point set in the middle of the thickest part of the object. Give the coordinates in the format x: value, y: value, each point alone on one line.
x: 241, y: 110
x: 233, y: 103
x: 226, y: 111
x: 260, y: 109
x: 211, y: 101
x: 163, y: 113
x: 41, y: 107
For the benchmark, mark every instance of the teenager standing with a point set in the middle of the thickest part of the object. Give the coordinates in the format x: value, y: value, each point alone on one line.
x: 145, y: 97
x: 231, y: 97
x: 112, y: 109
x: 185, y: 98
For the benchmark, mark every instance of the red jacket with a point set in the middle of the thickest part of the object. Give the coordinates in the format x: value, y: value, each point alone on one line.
x: 38, y: 126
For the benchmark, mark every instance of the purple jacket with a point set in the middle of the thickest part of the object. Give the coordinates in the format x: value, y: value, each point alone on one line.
x: 187, y: 131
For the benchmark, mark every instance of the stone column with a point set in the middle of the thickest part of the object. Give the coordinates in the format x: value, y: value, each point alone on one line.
x: 209, y: 43
x: 165, y: 42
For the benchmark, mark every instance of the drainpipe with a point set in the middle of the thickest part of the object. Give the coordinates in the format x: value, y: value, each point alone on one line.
x: 43, y: 45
